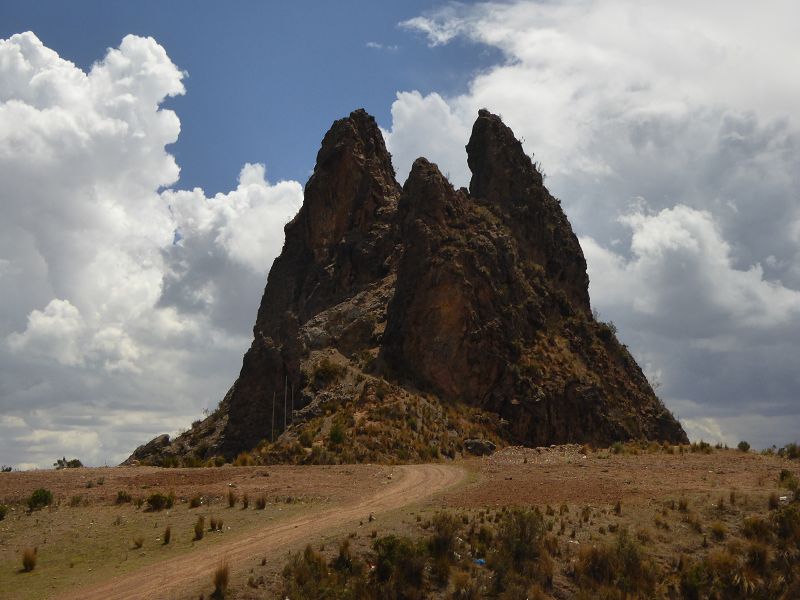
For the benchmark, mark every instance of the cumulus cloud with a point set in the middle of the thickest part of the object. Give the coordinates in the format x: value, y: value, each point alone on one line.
x: 681, y: 177
x: 97, y: 350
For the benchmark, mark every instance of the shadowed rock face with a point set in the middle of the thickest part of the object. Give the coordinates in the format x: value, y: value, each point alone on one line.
x: 477, y: 297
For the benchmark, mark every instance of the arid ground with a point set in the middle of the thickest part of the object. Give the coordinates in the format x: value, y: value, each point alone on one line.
x: 87, y: 542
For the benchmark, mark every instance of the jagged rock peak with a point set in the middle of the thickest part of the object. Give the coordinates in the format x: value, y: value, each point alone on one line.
x: 504, y: 176
x: 359, y: 134
x: 500, y: 168
x: 392, y: 311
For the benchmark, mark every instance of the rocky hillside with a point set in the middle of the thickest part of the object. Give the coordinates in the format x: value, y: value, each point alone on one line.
x: 408, y: 323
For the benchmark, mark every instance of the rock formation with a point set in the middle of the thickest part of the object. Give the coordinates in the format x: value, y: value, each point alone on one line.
x: 400, y: 322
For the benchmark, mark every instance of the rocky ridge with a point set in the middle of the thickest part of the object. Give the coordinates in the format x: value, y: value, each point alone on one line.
x: 397, y: 323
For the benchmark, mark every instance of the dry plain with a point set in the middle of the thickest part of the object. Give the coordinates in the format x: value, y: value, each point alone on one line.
x: 86, y: 542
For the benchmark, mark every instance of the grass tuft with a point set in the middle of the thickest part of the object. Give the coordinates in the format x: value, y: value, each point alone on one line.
x: 221, y: 579
x: 29, y: 557
x: 199, y: 528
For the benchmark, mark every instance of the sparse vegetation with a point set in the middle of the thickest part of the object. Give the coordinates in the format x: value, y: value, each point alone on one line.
x: 159, y: 501
x: 336, y: 436
x: 122, y: 497
x: 63, y: 463
x: 40, y: 498
x: 621, y: 566
x: 327, y: 372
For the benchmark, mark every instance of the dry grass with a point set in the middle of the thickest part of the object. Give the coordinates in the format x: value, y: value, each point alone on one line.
x: 138, y: 541
x: 199, y: 528
x: 29, y: 556
x: 221, y: 579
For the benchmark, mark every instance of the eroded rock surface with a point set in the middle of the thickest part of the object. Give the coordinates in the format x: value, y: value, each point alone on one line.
x: 455, y: 313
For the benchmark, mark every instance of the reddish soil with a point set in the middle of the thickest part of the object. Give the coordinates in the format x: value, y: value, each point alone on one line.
x: 530, y: 476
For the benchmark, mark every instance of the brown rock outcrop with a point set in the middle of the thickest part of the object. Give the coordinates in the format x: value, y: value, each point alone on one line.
x: 475, y: 299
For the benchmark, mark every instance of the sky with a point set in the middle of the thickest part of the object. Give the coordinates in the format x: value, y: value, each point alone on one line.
x: 150, y: 154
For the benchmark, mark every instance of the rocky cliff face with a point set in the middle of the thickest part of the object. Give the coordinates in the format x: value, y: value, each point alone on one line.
x: 399, y: 322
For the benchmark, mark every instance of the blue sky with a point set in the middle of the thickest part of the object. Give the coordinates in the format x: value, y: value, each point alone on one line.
x: 265, y: 78
x: 670, y: 132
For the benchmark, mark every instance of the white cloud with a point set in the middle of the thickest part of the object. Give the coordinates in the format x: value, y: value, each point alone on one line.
x: 445, y: 134
x: 55, y: 332
x: 680, y: 265
x: 681, y: 177
x: 246, y: 223
x: 91, y: 329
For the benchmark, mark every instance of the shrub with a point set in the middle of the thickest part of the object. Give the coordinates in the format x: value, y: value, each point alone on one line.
x: 694, y: 579
x: 159, y: 501
x: 306, y: 438
x: 756, y: 528
x: 199, y: 528
x: 231, y: 498
x: 3, y: 511
x: 398, y: 564
x: 167, y: 535
x: 76, y: 500
x: 29, y: 556
x: 336, y: 436
x: 520, y: 554
x: 718, y: 531
x: 212, y: 524
x: 261, y: 502
x: 445, y: 527
x: 122, y: 497
x: 773, y: 503
x: 195, y: 502
x: 344, y: 559
x: 791, y: 451
x: 220, y: 579
x: 787, y: 523
x: 219, y: 524
x: 63, y: 463
x: 306, y: 575
x: 743, y: 446
x: 327, y: 372
x: 138, y: 541
x: 40, y: 498
x: 244, y: 459
x: 621, y: 565
x: 245, y: 501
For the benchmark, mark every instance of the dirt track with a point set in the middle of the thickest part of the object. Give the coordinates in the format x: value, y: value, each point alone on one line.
x: 180, y: 576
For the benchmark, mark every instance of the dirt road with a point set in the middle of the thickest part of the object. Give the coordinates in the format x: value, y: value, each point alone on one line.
x: 180, y: 576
